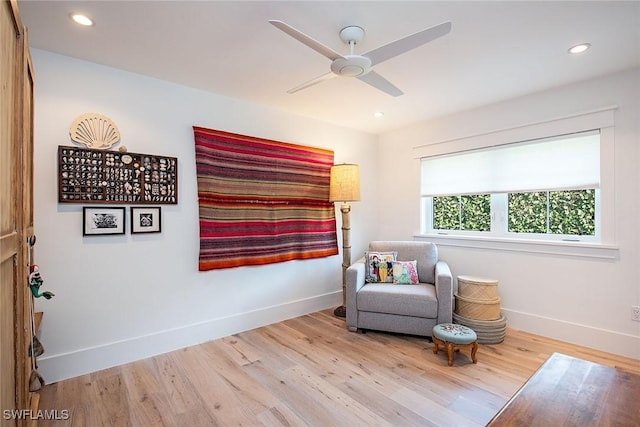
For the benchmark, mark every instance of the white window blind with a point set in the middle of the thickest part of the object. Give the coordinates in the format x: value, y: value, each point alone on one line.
x: 565, y: 162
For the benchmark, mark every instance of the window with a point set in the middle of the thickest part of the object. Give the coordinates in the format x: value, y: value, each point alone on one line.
x: 546, y: 188
x: 469, y: 212
x: 570, y: 212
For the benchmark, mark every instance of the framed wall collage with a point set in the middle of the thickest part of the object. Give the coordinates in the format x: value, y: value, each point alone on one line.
x: 103, y: 177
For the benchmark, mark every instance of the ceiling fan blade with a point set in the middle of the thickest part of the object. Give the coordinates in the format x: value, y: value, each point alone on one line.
x: 407, y: 43
x: 312, y: 82
x: 301, y: 37
x: 376, y: 80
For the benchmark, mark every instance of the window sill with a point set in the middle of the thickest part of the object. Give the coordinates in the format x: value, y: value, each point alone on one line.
x: 559, y: 248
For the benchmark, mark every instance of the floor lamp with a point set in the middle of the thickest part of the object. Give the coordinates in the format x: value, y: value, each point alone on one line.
x: 344, y: 187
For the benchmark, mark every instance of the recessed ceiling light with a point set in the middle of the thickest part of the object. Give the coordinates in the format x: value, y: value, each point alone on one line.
x: 82, y: 19
x: 378, y: 114
x: 579, y: 48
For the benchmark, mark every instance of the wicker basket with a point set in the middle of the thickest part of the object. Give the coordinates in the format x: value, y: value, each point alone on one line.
x: 478, y: 288
x: 488, y: 331
x: 478, y: 309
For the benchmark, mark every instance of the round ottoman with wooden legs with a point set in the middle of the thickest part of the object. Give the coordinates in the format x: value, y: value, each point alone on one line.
x: 454, y: 337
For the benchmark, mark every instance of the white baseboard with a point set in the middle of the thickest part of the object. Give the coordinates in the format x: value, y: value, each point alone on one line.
x: 587, y: 336
x: 58, y: 367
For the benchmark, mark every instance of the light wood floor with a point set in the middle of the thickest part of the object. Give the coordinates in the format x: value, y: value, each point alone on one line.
x: 310, y: 371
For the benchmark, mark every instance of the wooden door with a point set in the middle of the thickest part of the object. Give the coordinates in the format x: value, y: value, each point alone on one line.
x: 16, y: 212
x: 8, y: 211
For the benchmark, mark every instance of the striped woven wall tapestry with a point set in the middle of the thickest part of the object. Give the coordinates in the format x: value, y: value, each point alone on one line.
x: 261, y: 201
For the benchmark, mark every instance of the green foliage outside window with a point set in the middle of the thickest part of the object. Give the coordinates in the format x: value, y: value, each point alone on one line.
x: 542, y: 212
x: 554, y: 212
x: 446, y: 213
x: 471, y: 212
x: 476, y: 212
x: 528, y: 212
x: 572, y: 212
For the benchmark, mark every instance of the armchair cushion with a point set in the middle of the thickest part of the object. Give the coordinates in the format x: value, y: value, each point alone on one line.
x: 419, y: 300
x: 380, y: 266
x: 405, y: 273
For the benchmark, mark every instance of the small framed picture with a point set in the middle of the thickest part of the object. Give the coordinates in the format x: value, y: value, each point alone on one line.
x: 100, y: 221
x: 146, y: 220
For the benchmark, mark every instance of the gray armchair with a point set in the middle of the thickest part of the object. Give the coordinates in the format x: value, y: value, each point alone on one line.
x: 408, y: 309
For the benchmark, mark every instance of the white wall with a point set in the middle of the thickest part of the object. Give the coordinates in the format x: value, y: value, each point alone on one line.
x: 121, y: 298
x: 579, y: 299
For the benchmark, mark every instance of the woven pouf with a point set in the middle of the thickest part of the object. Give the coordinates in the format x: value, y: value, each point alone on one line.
x: 454, y: 337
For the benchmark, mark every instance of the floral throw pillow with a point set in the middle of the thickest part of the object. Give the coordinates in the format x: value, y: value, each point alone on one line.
x: 405, y: 272
x: 379, y: 266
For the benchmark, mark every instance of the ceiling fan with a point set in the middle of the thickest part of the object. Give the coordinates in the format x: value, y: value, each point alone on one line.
x: 361, y: 66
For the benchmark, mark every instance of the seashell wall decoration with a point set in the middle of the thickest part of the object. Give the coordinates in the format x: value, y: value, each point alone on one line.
x: 94, y: 131
x: 105, y: 176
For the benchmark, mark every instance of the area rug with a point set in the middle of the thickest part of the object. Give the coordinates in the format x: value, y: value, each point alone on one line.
x: 261, y: 201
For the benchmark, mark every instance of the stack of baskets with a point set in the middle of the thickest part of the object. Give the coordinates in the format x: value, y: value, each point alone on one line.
x: 478, y: 307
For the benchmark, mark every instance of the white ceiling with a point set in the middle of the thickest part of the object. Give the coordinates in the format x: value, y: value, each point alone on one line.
x: 495, y: 51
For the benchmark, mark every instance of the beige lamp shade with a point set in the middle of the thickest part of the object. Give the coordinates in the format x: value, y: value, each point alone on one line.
x: 345, y: 183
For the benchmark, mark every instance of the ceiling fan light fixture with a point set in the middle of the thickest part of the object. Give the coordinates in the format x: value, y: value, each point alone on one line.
x: 351, y: 66
x: 81, y: 19
x: 579, y: 48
